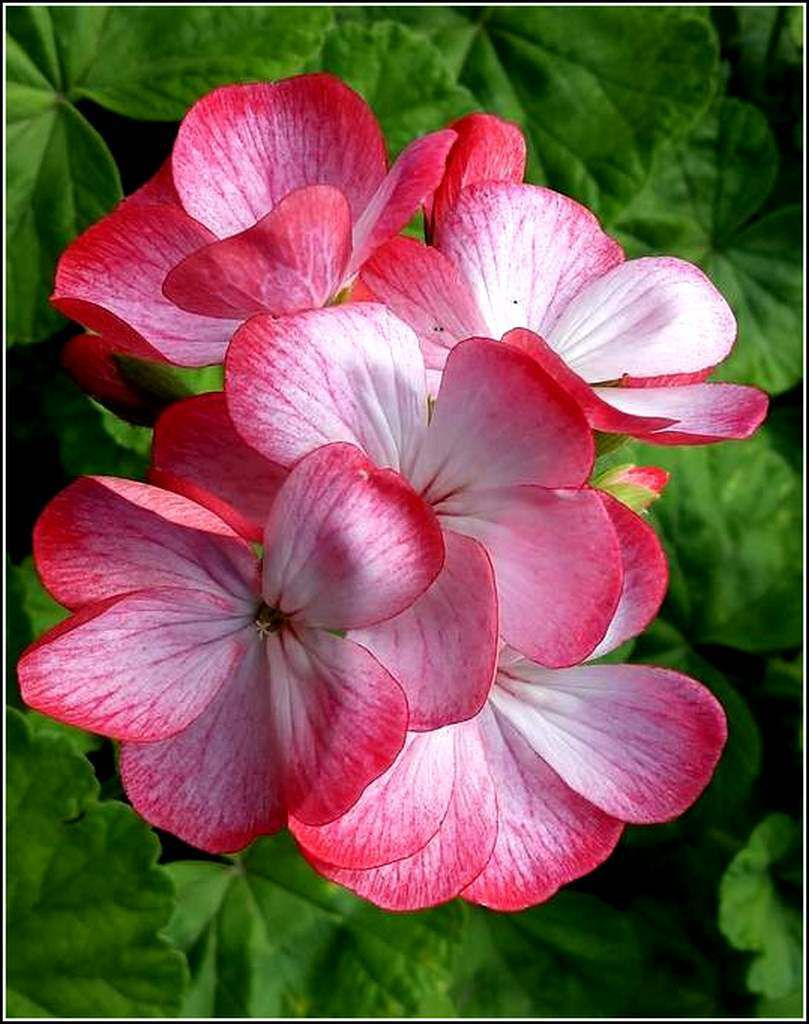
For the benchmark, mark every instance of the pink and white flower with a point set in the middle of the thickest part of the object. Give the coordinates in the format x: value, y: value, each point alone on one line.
x: 235, y: 701
x: 274, y: 196
x: 632, y: 341
x: 503, y: 460
x: 533, y: 792
x: 487, y: 148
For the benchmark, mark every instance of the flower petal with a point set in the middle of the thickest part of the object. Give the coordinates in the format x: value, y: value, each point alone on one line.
x: 459, y: 849
x: 646, y: 576
x: 547, y: 834
x: 346, y: 544
x: 700, y: 413
x: 557, y: 563
x: 524, y: 252
x: 640, y: 742
x: 216, y: 784
x: 103, y: 536
x: 141, y: 666
x: 443, y: 649
x: 294, y: 258
x: 601, y: 415
x: 499, y: 420
x: 421, y: 285
x: 349, y: 373
x: 197, y: 452
x: 646, y: 317
x: 487, y: 148
x: 242, y: 148
x: 110, y: 279
x: 415, y: 175
x: 398, y: 813
x: 339, y: 718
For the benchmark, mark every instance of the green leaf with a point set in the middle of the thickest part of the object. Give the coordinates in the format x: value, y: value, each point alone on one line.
x: 795, y: 25
x: 731, y: 522
x: 573, y: 956
x: 682, y: 976
x: 596, y: 89
x: 91, y: 439
x: 266, y: 936
x: 152, y: 63
x: 60, y: 178
x: 700, y: 204
x: 448, y: 28
x: 786, y: 1006
x: 763, y: 42
x: 85, y: 899
x: 134, y: 438
x: 753, y: 914
x: 401, y: 75
x: 760, y: 274
x: 784, y: 679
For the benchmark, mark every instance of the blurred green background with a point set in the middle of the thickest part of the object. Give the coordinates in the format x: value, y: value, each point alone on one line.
x: 681, y: 128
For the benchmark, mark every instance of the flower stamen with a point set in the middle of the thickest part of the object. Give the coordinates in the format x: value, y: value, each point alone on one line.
x: 269, y: 620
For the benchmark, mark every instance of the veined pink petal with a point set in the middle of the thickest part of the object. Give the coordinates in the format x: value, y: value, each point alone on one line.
x: 111, y: 279
x: 557, y: 564
x: 350, y: 373
x: 294, y: 258
x: 346, y: 544
x: 700, y: 413
x: 415, y: 175
x: 443, y: 649
x: 456, y: 853
x: 421, y: 285
x: 644, y: 318
x: 398, y: 813
x: 242, y: 148
x: 338, y: 716
x: 104, y: 536
x: 197, y: 452
x: 487, y: 148
x: 141, y: 666
x: 499, y: 420
x: 524, y: 252
x: 600, y: 414
x: 639, y: 742
x: 217, y: 784
x: 646, y: 576
x: 547, y: 834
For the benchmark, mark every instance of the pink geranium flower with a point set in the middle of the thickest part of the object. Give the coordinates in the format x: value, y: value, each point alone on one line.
x: 236, y: 702
x: 534, y: 791
x: 503, y: 460
x: 274, y: 196
x: 631, y: 341
x: 486, y: 148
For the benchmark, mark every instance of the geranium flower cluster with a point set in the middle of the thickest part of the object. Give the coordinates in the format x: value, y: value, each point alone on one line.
x: 365, y: 593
